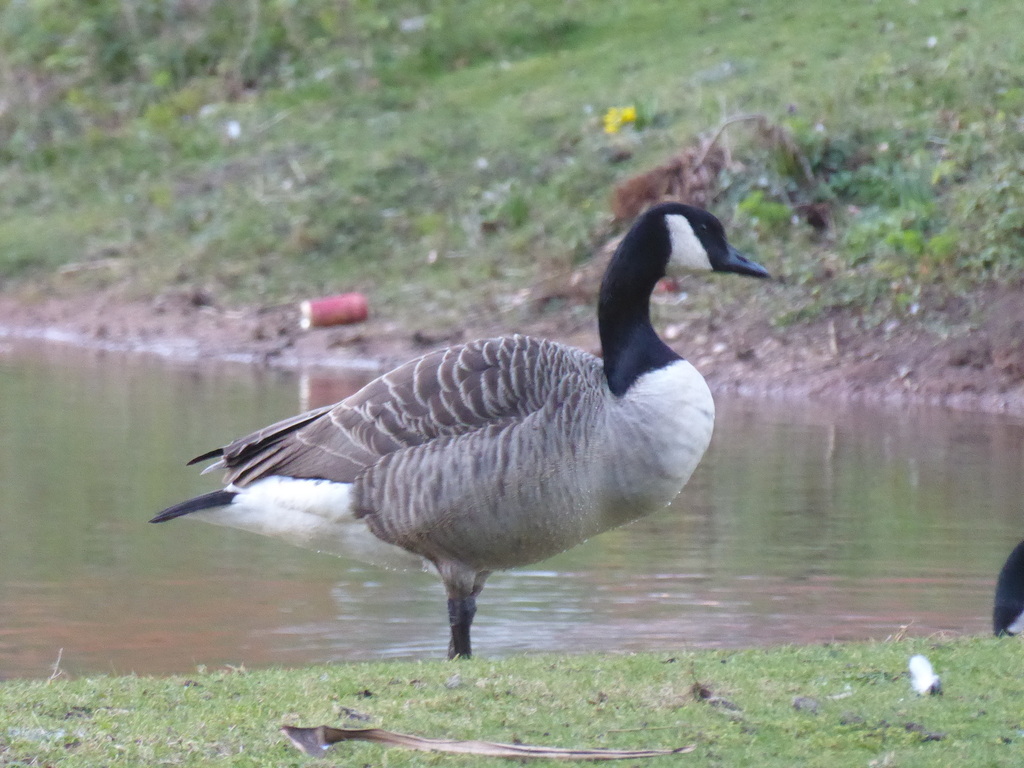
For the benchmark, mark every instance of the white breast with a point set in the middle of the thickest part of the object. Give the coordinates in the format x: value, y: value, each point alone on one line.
x: 662, y: 426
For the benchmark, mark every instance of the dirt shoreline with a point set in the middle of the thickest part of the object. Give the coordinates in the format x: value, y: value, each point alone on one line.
x: 980, y: 367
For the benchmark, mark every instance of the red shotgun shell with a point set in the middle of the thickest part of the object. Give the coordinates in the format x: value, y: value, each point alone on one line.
x: 334, y: 310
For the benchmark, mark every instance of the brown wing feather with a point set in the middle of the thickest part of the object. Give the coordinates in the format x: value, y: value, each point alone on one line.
x: 447, y: 393
x: 243, y: 448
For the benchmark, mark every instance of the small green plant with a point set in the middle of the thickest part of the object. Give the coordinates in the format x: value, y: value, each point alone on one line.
x: 943, y: 247
x: 989, y: 211
x: 765, y: 214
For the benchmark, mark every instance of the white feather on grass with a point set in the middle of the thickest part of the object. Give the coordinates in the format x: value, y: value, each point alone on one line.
x: 922, y: 677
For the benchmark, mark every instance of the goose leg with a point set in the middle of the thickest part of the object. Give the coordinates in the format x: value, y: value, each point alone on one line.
x: 462, y: 584
x: 460, y: 616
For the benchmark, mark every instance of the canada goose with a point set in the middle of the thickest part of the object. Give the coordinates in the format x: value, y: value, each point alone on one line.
x: 1008, y: 611
x: 497, y: 453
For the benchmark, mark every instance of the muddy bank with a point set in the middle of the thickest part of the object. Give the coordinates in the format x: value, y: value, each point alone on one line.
x: 978, y: 365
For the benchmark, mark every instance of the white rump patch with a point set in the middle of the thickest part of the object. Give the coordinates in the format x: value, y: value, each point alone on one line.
x: 315, y: 514
x: 687, y: 250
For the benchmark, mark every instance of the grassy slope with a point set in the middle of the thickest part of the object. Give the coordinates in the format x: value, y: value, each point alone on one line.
x: 860, y: 716
x: 360, y: 160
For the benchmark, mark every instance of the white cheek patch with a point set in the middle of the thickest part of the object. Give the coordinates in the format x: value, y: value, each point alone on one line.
x: 687, y: 251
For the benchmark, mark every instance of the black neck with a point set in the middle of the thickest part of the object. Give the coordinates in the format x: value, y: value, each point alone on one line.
x: 631, y: 345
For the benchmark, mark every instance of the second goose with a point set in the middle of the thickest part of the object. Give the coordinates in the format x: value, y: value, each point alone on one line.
x: 497, y: 453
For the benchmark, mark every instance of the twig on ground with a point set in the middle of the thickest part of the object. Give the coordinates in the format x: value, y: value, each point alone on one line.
x: 57, y: 671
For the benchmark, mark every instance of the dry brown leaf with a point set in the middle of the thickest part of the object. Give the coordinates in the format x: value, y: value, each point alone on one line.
x: 692, y: 175
x: 313, y: 741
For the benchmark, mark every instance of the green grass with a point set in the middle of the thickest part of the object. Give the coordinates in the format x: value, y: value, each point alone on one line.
x: 442, y: 156
x: 737, y: 707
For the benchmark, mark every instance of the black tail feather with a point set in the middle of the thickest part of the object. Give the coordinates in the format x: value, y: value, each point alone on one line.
x: 206, y: 501
x: 215, y: 453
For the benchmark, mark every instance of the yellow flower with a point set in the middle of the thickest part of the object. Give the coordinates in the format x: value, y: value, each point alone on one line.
x: 612, y: 122
x: 616, y: 117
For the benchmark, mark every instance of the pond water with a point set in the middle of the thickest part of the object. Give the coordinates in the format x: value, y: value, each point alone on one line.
x: 805, y: 523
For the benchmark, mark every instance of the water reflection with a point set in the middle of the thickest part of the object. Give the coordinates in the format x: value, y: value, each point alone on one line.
x: 804, y: 523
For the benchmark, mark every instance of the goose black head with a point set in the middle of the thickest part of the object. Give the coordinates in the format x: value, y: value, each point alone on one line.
x: 697, y: 242
x: 666, y: 238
